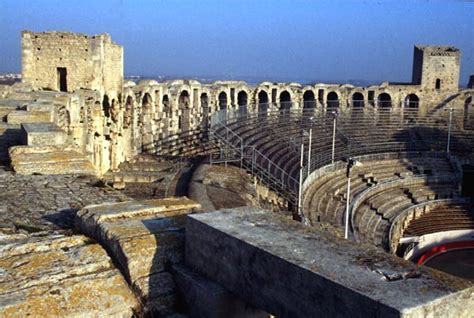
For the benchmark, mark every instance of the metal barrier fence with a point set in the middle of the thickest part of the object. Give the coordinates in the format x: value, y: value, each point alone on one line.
x: 320, y: 136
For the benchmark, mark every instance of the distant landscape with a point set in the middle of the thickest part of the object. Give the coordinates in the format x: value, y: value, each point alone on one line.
x: 250, y: 79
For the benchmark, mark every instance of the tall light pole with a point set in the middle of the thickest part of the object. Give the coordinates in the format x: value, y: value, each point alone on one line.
x: 334, y: 114
x: 449, y: 129
x: 309, y: 145
x: 300, y: 183
x: 351, y: 162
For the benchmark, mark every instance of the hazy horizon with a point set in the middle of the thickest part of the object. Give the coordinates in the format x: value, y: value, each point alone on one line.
x: 302, y: 41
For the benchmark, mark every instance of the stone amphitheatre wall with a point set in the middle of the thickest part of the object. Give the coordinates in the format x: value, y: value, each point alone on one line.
x: 112, y: 120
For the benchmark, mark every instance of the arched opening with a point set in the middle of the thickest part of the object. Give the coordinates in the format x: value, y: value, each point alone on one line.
x: 309, y: 100
x: 385, y: 100
x: 222, y: 100
x: 285, y: 100
x: 114, y: 110
x: 357, y: 100
x: 146, y: 103
x: 468, y: 114
x: 242, y: 102
x: 242, y: 98
x: 438, y: 84
x: 106, y: 106
x: 332, y: 100
x: 183, y: 104
x: 127, y: 115
x: 412, y: 101
x: 205, y: 109
x: 262, y: 103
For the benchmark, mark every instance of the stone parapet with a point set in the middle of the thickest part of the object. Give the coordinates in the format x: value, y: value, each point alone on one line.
x: 289, y: 270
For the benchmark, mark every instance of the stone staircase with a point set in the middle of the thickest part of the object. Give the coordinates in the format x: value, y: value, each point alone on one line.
x: 32, y: 144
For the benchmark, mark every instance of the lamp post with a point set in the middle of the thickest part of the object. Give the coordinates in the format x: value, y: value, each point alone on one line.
x: 449, y: 129
x: 351, y: 162
x: 309, y: 145
x: 334, y: 114
x: 300, y: 184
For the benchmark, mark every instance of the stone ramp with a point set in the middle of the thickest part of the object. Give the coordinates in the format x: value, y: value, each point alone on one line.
x: 56, y: 275
x: 142, y: 237
x: 289, y: 270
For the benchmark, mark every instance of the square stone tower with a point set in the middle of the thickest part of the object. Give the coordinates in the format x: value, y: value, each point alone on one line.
x: 64, y: 61
x: 436, y: 68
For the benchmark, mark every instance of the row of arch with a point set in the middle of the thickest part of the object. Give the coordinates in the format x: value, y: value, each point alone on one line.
x: 285, y: 101
x: 309, y: 99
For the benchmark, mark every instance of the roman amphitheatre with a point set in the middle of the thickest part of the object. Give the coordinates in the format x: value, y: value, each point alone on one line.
x: 225, y: 199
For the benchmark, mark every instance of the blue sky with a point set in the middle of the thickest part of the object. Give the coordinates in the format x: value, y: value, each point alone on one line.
x: 279, y: 39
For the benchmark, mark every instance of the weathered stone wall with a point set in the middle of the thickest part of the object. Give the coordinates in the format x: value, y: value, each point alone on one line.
x: 91, y: 62
x: 436, y: 62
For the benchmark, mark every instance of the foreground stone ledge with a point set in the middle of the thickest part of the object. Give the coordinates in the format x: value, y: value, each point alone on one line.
x: 60, y: 276
x: 142, y: 236
x: 290, y: 270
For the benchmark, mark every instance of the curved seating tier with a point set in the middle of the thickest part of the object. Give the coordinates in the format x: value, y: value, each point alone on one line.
x: 394, y: 183
x: 446, y: 217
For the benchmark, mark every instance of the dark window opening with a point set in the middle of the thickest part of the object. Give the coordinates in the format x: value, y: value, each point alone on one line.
x: 308, y: 100
x: 62, y: 79
x: 262, y: 104
x: 332, y: 100
x: 412, y: 101
x: 242, y: 98
x: 106, y: 106
x: 222, y: 100
x: 285, y: 100
x: 357, y: 100
x: 385, y: 100
x: 438, y: 83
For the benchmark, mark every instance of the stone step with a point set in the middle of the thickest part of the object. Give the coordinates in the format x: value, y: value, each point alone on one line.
x: 21, y: 117
x: 49, y: 160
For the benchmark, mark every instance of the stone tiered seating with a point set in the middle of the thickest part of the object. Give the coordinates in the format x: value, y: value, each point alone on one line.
x: 429, y: 177
x: 185, y: 144
x: 442, y: 218
x: 278, y: 137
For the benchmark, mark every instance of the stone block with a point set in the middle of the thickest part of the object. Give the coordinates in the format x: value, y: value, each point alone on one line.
x: 61, y: 276
x: 43, y: 134
x: 44, y: 106
x: 49, y: 160
x: 290, y: 270
x: 20, y: 117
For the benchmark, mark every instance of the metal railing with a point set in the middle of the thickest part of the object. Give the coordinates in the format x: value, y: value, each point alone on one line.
x: 358, y: 131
